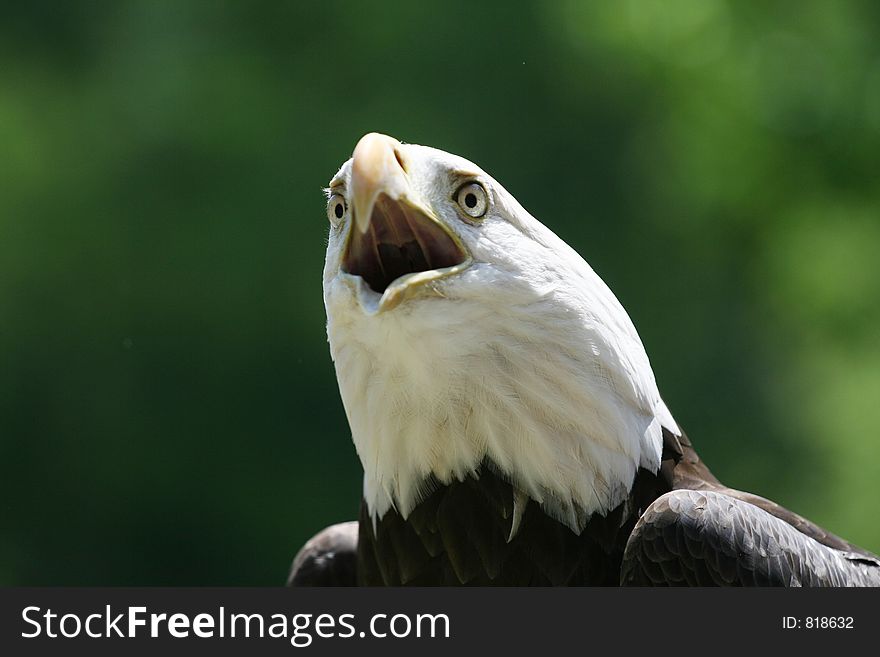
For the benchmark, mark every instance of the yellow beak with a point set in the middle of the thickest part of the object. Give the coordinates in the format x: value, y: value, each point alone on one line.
x: 376, y: 168
x: 396, y: 243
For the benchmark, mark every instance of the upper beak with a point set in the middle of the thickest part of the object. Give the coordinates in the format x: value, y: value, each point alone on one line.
x: 395, y: 240
x: 376, y: 167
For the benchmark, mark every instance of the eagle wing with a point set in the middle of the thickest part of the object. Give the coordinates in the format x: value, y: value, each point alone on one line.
x: 702, y: 533
x: 328, y: 559
x: 710, y: 538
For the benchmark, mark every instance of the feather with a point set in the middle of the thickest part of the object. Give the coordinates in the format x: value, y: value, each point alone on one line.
x: 520, y: 501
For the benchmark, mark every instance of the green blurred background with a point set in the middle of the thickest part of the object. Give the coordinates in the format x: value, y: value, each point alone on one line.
x: 168, y: 408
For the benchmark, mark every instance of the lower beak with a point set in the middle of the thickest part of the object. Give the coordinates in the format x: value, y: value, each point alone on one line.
x: 394, y: 240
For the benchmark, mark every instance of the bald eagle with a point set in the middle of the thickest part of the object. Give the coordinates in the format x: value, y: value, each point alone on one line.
x: 505, y: 411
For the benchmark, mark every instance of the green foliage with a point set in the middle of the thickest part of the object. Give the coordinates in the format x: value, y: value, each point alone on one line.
x: 168, y: 408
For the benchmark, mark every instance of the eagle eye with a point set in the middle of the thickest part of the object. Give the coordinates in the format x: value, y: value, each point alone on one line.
x: 472, y: 199
x: 336, y: 208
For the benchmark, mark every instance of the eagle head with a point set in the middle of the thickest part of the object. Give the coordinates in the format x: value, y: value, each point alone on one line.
x: 464, y: 332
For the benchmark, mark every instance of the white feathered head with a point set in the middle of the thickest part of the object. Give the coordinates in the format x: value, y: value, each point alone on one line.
x: 465, y: 332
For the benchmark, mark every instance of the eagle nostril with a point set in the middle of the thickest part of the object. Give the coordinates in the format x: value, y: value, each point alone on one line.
x: 400, y: 160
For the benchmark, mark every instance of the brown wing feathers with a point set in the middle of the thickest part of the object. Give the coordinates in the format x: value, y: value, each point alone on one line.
x: 680, y: 526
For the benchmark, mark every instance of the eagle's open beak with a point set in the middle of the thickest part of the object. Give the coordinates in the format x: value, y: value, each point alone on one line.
x: 395, y: 242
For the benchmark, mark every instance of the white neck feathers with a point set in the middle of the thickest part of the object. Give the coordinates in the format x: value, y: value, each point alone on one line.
x: 549, y: 382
